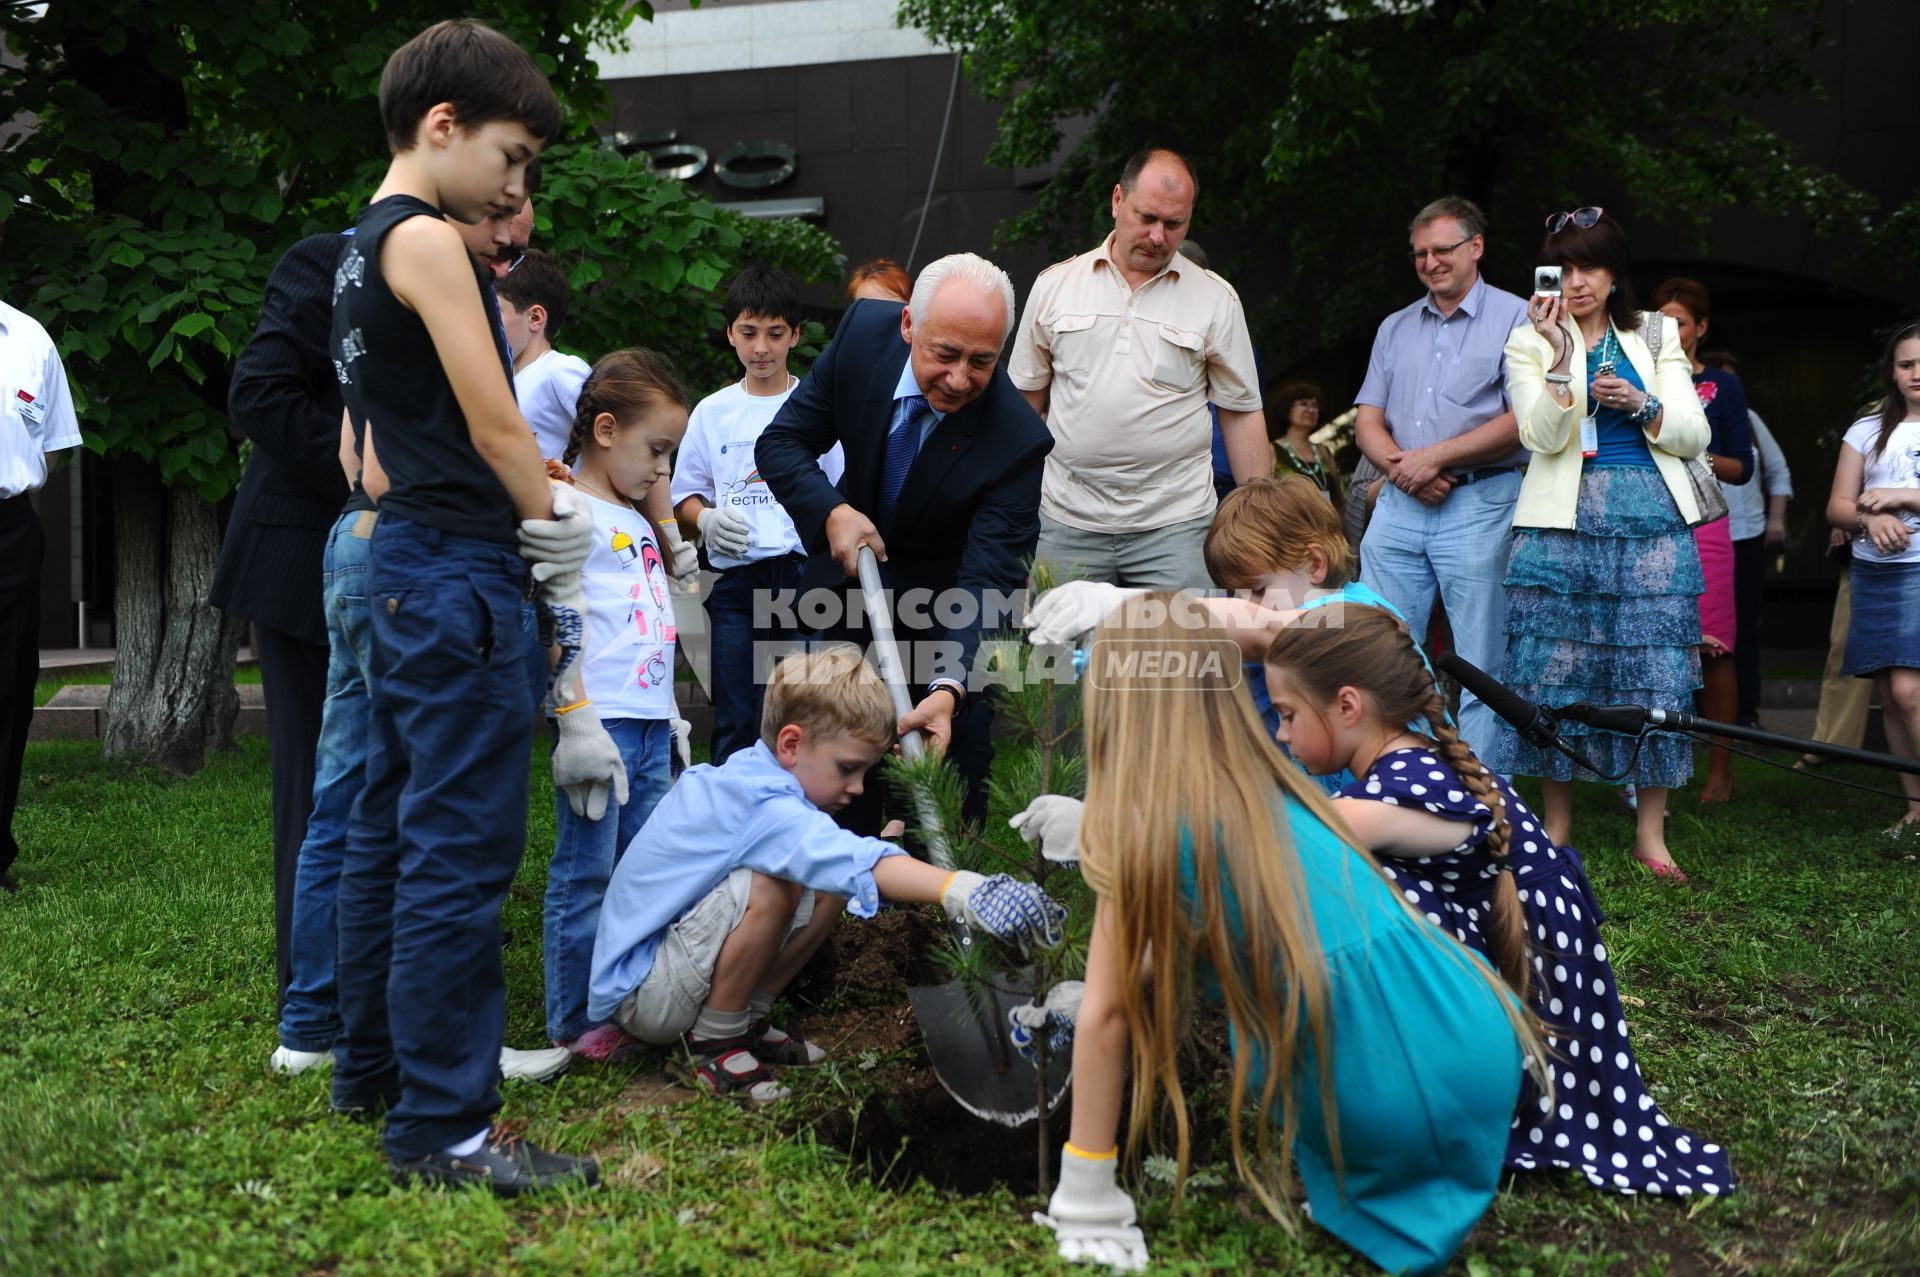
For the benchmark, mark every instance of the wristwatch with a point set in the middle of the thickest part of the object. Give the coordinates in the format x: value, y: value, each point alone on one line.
x: 951, y: 687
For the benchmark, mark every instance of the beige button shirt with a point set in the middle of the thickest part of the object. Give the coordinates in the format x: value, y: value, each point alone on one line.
x: 1129, y: 374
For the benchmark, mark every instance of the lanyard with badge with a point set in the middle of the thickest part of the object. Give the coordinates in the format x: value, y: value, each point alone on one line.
x: 1605, y: 356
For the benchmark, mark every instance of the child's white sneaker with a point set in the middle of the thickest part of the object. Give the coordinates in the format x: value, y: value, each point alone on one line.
x: 293, y: 1063
x: 534, y: 1066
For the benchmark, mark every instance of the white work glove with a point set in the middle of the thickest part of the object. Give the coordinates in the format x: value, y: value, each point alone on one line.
x: 1067, y: 611
x: 1005, y: 908
x: 682, y: 739
x: 587, y: 764
x: 1052, y: 1018
x: 684, y: 560
x: 1051, y: 822
x: 725, y: 531
x: 559, y: 544
x: 1092, y: 1216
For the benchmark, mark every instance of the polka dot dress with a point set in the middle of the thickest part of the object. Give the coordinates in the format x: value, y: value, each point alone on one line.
x: 1600, y: 1120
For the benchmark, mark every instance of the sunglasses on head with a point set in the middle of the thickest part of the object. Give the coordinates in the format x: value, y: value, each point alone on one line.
x: 513, y: 258
x: 1584, y: 218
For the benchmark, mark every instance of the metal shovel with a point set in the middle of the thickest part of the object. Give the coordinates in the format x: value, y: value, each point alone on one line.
x: 965, y: 1031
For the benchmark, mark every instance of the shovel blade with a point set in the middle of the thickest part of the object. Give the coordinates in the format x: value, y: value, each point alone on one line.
x: 973, y: 1058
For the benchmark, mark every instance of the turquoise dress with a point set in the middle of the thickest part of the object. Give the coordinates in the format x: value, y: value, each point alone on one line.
x: 1426, y: 1065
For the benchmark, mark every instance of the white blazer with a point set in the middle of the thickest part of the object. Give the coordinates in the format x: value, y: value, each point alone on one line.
x: 1550, y: 492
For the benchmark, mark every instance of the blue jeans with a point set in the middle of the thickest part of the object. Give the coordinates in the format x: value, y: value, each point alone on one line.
x: 436, y: 836
x: 310, y: 1018
x: 1459, y: 549
x: 584, y: 854
x: 738, y: 685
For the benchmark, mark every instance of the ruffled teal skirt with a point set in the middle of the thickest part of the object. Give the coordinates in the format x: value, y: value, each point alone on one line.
x: 1609, y: 614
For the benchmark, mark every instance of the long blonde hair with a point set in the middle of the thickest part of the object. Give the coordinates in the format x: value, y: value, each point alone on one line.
x: 1189, y: 759
x: 1177, y: 753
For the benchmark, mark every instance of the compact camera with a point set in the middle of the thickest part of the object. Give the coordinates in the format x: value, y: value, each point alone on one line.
x: 1546, y: 281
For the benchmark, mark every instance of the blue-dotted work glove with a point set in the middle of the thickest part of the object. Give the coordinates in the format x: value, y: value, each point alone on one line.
x: 1052, y: 1018
x: 1005, y: 908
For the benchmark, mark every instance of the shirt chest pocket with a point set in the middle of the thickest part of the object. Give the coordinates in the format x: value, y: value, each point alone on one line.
x: 1070, y: 342
x: 1467, y: 380
x: 1179, y: 358
x: 18, y: 417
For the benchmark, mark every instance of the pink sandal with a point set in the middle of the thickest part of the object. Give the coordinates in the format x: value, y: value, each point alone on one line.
x: 1661, y: 869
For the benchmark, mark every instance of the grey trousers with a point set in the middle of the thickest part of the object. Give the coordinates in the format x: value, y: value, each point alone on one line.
x: 1166, y: 558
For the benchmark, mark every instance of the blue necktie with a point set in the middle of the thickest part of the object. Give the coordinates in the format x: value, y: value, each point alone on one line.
x: 903, y: 444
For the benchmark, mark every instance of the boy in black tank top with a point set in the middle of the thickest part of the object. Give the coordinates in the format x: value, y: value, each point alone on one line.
x: 439, y: 828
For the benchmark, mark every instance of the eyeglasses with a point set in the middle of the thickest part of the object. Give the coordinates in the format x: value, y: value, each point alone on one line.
x: 1419, y: 255
x: 513, y: 263
x: 1584, y: 218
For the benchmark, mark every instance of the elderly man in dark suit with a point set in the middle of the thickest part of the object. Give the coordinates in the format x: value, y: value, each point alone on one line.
x: 944, y: 460
x: 286, y: 399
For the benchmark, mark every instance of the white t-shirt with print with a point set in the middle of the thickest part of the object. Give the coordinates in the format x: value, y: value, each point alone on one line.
x: 716, y: 464
x: 1897, y: 466
x: 628, y: 670
x: 548, y: 390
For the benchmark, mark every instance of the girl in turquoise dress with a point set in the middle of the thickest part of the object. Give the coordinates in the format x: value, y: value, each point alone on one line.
x: 1372, y: 1053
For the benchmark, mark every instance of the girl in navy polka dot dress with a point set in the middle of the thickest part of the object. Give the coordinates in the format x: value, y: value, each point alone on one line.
x: 1466, y: 852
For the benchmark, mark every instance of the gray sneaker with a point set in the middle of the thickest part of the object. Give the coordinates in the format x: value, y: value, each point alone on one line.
x: 505, y: 1164
x: 534, y: 1066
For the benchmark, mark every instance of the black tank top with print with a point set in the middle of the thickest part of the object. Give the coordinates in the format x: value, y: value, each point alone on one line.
x: 390, y: 374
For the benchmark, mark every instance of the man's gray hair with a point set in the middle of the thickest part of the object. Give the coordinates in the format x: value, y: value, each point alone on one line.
x: 1464, y: 211
x: 970, y: 268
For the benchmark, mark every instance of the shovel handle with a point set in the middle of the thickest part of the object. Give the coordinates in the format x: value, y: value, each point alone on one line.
x: 880, y: 624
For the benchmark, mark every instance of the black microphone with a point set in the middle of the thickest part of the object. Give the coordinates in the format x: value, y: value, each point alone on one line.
x: 1534, y: 722
x: 1628, y: 720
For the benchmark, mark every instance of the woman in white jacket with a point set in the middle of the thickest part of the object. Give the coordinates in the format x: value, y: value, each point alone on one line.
x: 1604, y: 580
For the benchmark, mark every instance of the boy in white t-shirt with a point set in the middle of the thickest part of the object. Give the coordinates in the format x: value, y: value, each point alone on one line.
x: 750, y: 542
x: 533, y: 305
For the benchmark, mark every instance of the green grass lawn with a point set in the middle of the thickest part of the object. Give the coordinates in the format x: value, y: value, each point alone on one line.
x: 1774, y: 1009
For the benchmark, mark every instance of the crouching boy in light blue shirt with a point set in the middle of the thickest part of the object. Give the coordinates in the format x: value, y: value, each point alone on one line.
x: 738, y: 877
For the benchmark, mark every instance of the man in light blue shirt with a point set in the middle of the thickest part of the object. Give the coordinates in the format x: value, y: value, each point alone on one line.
x: 710, y: 911
x: 1433, y: 415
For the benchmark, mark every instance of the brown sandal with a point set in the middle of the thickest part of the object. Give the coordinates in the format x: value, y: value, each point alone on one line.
x: 787, y: 1049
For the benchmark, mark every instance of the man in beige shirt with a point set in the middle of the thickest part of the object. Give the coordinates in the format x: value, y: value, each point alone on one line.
x: 1121, y: 349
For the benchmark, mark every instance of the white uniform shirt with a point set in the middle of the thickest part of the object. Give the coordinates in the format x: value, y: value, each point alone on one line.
x: 1898, y: 466
x: 628, y: 670
x: 548, y: 390
x: 716, y: 464
x: 38, y: 414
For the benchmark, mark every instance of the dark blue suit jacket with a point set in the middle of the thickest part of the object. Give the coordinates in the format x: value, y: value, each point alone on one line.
x: 969, y: 511
x: 285, y: 397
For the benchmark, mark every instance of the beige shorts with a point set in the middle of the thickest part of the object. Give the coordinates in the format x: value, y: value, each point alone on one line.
x: 663, y: 1008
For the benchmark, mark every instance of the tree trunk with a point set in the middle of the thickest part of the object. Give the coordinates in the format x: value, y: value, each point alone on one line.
x: 173, y: 693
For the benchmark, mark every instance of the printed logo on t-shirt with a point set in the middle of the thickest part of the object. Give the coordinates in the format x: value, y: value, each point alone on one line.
x: 748, y: 491
x: 1707, y: 390
x: 649, y: 618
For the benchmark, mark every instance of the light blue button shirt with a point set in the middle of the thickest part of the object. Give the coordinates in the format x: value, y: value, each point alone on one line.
x: 1437, y: 377
x: 908, y: 386
x: 748, y: 813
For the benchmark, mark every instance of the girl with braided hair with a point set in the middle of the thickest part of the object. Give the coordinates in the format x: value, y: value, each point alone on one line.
x: 1465, y: 851
x: 628, y: 419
